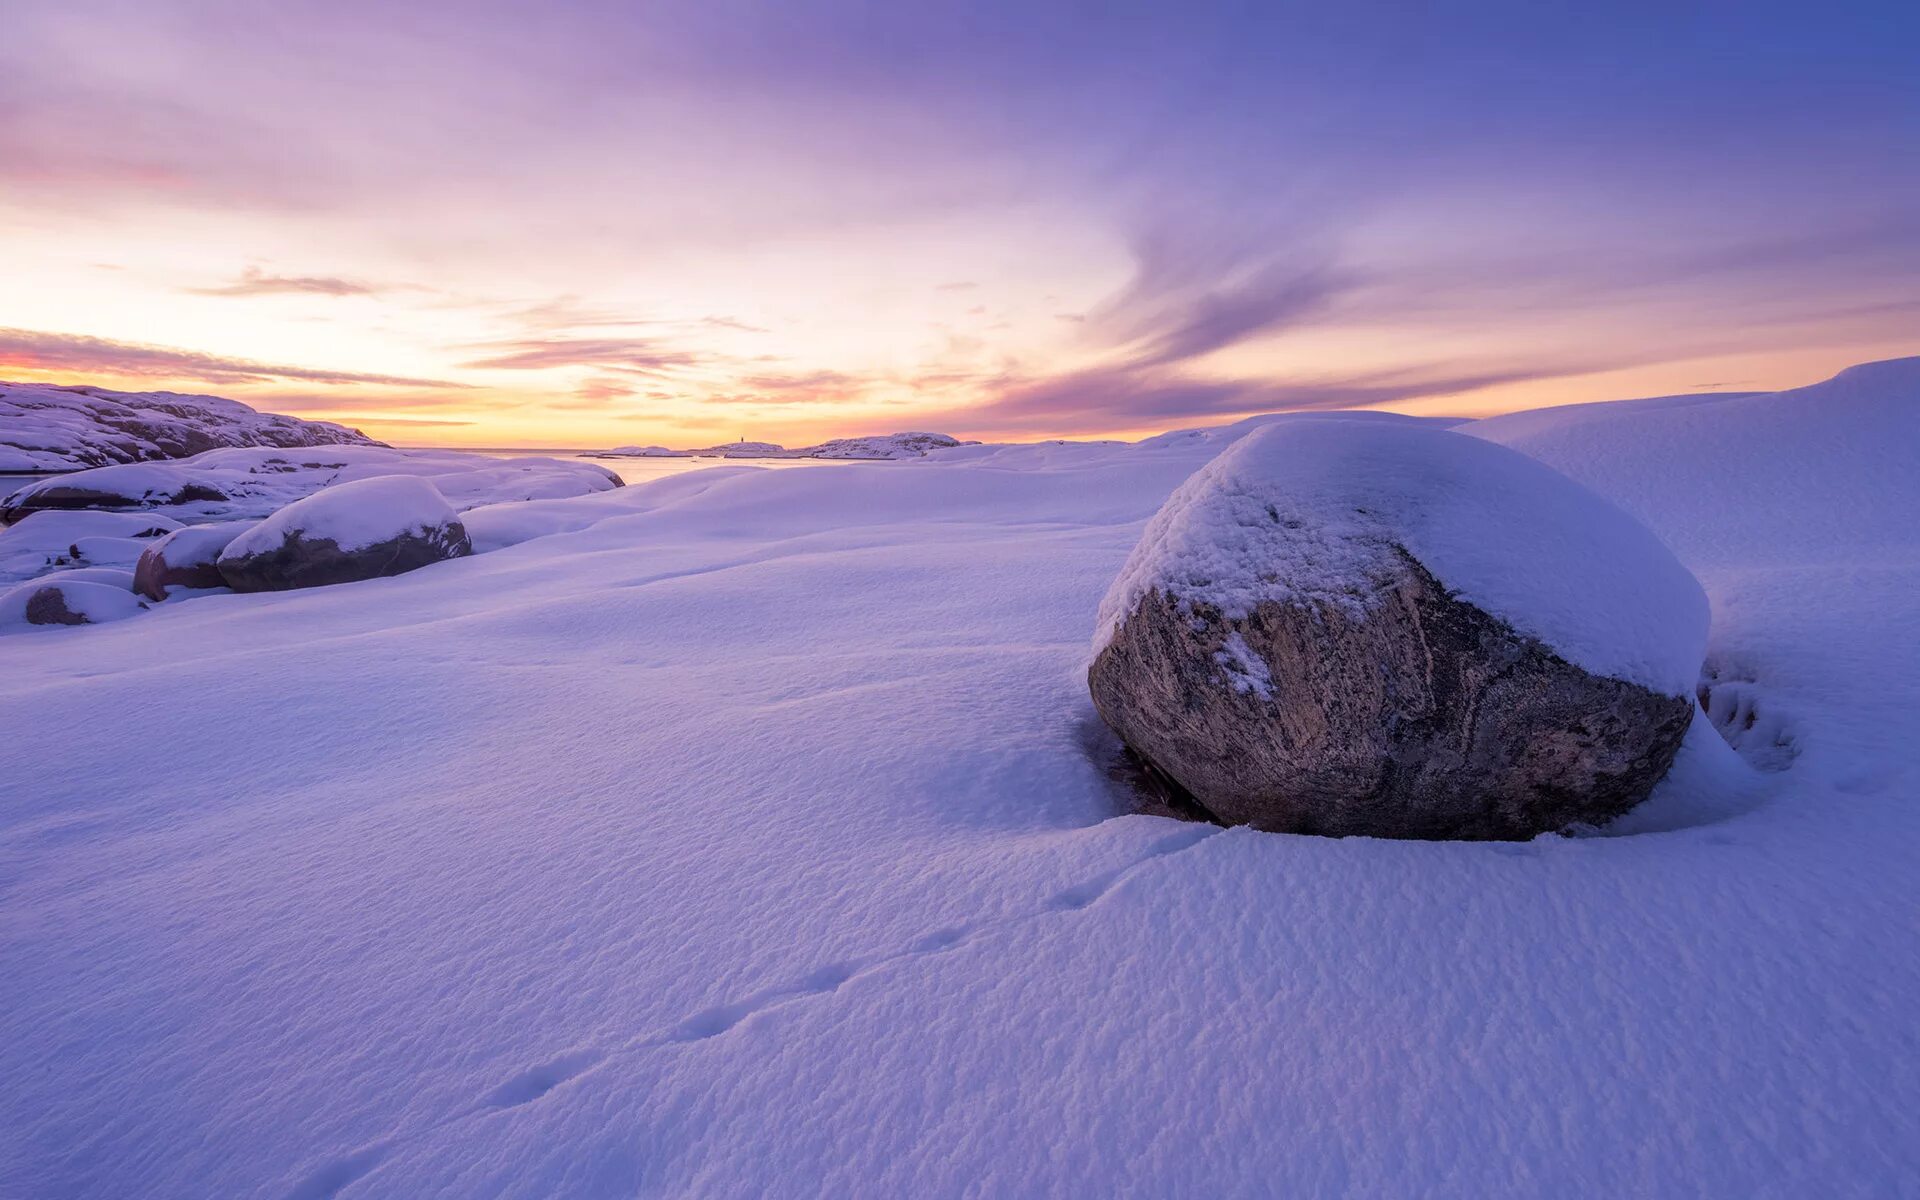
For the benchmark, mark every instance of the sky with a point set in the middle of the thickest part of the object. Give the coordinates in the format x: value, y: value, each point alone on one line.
x: 592, y: 224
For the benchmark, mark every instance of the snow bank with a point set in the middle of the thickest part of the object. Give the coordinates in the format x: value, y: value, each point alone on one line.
x: 78, y: 597
x: 352, y: 515
x: 44, y: 427
x: 1310, y: 513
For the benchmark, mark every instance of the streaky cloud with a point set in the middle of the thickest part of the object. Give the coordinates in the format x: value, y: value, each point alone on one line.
x: 42, y: 351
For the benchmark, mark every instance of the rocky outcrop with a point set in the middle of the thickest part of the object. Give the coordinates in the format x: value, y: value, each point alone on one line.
x: 44, y: 427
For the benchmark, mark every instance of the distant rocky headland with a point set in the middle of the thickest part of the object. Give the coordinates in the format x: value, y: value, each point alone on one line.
x: 878, y: 446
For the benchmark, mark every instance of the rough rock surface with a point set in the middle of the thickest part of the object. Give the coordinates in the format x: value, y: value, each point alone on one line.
x: 186, y: 558
x: 1427, y: 719
x: 367, y: 529
x: 1280, y: 655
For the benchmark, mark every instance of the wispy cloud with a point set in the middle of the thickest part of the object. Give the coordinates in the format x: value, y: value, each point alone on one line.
x: 41, y: 351
x: 255, y: 282
x: 1128, y: 397
x: 647, y: 356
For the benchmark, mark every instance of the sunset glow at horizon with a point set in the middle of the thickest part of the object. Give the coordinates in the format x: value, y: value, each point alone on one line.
x: 601, y: 224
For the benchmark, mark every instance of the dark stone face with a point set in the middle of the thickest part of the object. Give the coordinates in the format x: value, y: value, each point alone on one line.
x: 153, y: 574
x: 1427, y: 718
x: 48, y: 606
x: 67, y: 496
x: 300, y: 562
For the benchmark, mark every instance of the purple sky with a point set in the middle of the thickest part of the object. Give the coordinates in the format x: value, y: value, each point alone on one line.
x: 581, y: 224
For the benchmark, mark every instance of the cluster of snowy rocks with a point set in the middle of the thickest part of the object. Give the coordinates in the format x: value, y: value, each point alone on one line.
x: 97, y: 545
x: 46, y: 427
x: 880, y: 446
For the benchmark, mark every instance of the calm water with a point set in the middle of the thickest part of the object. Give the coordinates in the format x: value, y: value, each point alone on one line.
x: 630, y: 470
x: 643, y: 470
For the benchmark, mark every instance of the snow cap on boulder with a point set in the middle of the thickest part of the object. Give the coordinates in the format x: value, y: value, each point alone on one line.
x: 1311, y: 510
x: 365, y: 529
x: 1384, y: 628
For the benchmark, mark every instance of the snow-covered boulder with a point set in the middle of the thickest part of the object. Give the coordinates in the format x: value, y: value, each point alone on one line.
x: 366, y: 529
x: 1351, y: 627
x: 136, y: 485
x: 44, y: 427
x: 67, y: 599
x: 187, y: 558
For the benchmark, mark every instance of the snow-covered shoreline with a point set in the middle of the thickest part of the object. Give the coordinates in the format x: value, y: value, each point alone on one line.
x: 750, y: 833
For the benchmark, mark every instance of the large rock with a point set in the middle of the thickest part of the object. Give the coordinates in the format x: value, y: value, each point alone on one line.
x: 137, y: 485
x: 1365, y: 627
x: 186, y: 558
x: 361, y: 530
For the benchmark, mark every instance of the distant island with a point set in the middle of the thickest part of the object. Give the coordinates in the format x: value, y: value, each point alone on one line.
x: 877, y: 446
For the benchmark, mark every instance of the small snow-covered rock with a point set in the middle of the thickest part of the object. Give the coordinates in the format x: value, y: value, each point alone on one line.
x: 53, y: 538
x: 366, y: 529
x: 187, y: 558
x: 1351, y: 627
x: 67, y: 601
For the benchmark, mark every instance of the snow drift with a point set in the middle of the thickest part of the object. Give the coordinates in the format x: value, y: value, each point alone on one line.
x: 749, y: 833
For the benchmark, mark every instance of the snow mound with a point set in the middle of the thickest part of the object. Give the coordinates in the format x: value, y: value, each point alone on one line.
x: 1311, y: 513
x: 46, y: 540
x: 45, y: 427
x: 71, y: 599
x: 352, y: 516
